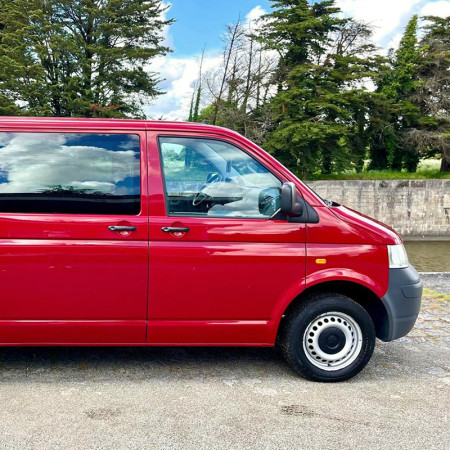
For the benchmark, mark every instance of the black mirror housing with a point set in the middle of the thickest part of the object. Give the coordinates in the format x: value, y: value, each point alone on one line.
x: 289, y: 203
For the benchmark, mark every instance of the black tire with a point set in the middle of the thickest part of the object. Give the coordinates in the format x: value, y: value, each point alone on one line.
x: 299, y: 349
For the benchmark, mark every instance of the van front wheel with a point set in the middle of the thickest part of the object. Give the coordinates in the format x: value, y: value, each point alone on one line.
x: 328, y: 337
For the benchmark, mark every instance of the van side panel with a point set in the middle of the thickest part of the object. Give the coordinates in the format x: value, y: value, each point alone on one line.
x: 67, y: 278
x: 70, y: 332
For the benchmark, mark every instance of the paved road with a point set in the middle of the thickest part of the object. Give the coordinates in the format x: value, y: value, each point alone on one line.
x: 229, y: 398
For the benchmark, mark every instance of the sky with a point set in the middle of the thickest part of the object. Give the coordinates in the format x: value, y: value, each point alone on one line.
x: 200, y: 24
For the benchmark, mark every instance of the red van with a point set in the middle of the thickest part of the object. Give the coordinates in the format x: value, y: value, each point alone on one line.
x: 120, y: 232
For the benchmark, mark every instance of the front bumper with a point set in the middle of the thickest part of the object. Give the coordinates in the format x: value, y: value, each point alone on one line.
x: 402, y: 302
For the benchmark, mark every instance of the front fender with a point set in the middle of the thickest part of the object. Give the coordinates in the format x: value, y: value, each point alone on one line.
x: 320, y: 277
x: 378, y: 287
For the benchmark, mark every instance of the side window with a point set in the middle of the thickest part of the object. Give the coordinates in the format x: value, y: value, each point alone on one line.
x: 69, y: 173
x: 207, y: 177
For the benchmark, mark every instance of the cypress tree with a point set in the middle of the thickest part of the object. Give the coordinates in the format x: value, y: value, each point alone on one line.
x: 320, y: 109
x: 191, y: 109
x: 196, y: 113
x: 389, y: 148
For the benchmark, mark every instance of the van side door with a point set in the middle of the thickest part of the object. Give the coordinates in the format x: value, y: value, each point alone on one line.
x: 222, y: 258
x: 73, y: 236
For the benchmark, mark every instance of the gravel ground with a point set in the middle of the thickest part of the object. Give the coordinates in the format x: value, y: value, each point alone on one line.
x: 437, y: 281
x: 80, y: 398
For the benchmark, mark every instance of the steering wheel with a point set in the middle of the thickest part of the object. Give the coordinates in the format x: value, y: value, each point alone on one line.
x: 201, y: 196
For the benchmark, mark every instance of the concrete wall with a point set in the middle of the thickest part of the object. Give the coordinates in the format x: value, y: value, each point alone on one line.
x: 415, y: 208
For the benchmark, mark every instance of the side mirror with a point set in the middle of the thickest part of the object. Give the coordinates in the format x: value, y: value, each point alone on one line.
x: 289, y: 204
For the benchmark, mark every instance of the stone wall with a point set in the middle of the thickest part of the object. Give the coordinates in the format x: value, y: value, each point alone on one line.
x: 415, y: 208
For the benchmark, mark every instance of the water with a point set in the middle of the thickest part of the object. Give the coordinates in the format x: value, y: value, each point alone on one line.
x: 429, y: 256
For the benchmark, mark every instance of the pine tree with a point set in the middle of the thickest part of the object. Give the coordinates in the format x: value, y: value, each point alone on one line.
x: 7, y: 105
x: 80, y: 57
x: 298, y: 31
x: 191, y: 108
x: 196, y: 105
x: 320, y: 109
x: 196, y: 113
x: 389, y: 148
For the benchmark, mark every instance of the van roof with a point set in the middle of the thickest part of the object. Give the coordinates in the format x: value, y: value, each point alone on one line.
x: 137, y: 124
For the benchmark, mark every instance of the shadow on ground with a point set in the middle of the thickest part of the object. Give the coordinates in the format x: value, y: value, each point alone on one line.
x: 423, y: 351
x: 138, y: 362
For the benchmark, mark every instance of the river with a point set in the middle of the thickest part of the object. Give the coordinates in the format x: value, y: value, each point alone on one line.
x: 429, y: 256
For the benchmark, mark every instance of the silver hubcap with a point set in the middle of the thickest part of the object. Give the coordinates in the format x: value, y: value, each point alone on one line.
x: 332, y: 341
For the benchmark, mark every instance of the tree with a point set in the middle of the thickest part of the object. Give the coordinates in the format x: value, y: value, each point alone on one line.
x: 389, y: 146
x: 298, y: 31
x: 80, y: 57
x: 431, y: 136
x: 320, y: 109
x: 194, y: 111
x: 233, y: 37
x: 7, y: 105
x: 236, y: 93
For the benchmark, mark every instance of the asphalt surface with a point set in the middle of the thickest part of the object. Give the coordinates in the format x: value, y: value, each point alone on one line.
x: 85, y: 398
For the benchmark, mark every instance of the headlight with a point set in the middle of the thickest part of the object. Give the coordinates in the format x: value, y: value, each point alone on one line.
x: 398, y: 259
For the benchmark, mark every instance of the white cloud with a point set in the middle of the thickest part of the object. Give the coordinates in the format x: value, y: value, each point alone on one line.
x: 255, y: 14
x: 386, y: 16
x: 180, y: 75
x: 35, y: 161
x: 440, y: 8
x: 395, y: 41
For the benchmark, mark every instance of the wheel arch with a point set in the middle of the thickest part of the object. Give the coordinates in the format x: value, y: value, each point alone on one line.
x: 356, y: 291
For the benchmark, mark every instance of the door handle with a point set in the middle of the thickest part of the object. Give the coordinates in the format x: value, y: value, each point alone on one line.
x: 121, y: 228
x: 175, y: 229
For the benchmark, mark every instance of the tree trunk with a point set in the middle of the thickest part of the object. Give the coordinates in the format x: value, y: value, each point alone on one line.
x: 234, y: 34
x: 445, y: 163
x: 248, y: 84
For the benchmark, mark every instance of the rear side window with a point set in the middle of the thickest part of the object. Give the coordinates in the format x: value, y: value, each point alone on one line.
x: 69, y: 173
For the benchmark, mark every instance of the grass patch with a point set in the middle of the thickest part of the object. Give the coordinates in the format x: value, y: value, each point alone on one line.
x: 421, y: 174
x: 437, y: 296
x: 427, y: 169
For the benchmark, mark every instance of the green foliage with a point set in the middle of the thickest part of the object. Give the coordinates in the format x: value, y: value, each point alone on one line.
x: 298, y: 31
x: 394, y: 115
x: 431, y: 135
x: 191, y: 109
x: 309, y: 106
x: 194, y: 110
x: 79, y: 57
x: 320, y: 111
x: 207, y: 114
x: 173, y: 155
x: 8, y: 107
x: 385, y: 175
x: 195, y: 115
x: 323, y: 118
x: 400, y: 82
